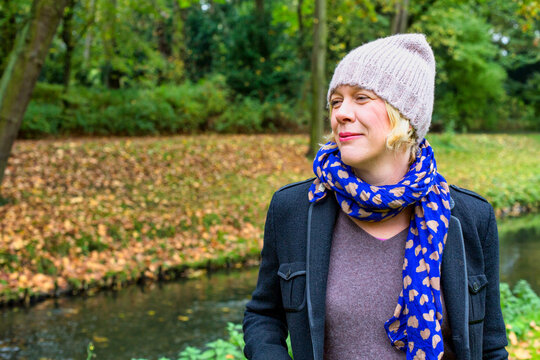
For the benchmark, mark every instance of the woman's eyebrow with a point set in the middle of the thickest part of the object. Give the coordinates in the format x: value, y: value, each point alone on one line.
x: 369, y: 93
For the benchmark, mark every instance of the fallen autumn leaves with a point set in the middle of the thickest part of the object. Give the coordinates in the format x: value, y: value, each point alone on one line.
x: 90, y: 213
x: 84, y: 213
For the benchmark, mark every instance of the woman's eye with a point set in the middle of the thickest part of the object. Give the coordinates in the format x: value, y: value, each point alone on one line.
x: 362, y: 98
x: 334, y: 103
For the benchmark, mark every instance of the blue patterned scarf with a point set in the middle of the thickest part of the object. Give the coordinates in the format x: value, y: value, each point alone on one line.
x: 415, y: 326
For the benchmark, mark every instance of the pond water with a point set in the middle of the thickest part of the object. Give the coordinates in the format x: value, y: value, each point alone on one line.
x: 162, y: 319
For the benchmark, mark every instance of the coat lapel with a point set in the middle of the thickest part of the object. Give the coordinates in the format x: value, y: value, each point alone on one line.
x: 321, y: 220
x: 454, y: 286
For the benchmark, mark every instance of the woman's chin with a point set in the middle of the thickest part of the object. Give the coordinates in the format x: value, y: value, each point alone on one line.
x: 353, y: 160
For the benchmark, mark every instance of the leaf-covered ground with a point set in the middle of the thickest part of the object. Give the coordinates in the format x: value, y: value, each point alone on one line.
x: 526, y: 348
x: 99, y: 212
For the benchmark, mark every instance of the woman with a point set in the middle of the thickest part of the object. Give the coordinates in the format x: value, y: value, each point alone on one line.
x: 377, y: 257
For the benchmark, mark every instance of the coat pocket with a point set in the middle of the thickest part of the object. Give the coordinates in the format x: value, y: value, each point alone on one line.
x: 477, y: 298
x: 293, y: 285
x: 477, y: 310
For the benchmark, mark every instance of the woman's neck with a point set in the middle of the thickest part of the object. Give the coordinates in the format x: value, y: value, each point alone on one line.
x: 386, y: 173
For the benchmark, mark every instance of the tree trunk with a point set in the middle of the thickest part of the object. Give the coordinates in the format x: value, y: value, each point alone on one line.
x: 302, y: 50
x: 22, y: 70
x: 67, y: 37
x: 111, y: 75
x: 318, y: 82
x: 89, y: 37
x: 300, y: 16
x: 259, y: 7
x: 401, y: 17
x: 164, y: 45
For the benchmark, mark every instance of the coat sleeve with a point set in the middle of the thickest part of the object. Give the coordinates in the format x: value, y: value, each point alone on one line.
x: 265, y: 327
x: 494, y: 339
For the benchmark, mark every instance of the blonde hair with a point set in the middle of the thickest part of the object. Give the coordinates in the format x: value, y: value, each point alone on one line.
x: 402, y: 134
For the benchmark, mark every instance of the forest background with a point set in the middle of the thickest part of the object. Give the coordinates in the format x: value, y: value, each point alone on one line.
x: 133, y: 67
x: 88, y: 203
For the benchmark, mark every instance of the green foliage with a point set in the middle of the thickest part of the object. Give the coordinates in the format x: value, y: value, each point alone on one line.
x: 141, y: 116
x: 47, y: 93
x: 90, y: 351
x: 531, y: 93
x: 204, y: 45
x: 515, y: 32
x: 231, y: 348
x: 487, y: 54
x: 245, y: 116
x: 520, y: 307
x: 281, y: 116
x: 469, y: 80
x: 352, y: 23
x: 41, y: 119
x: 522, y: 108
x: 196, y: 104
x: 13, y: 15
x: 53, y: 69
x: 167, y: 109
x: 260, y: 59
x: 514, y: 28
x: 117, y: 42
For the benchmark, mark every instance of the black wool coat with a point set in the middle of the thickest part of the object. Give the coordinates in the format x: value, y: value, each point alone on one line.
x: 291, y: 289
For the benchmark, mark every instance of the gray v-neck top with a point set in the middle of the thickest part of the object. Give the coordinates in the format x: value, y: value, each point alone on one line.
x: 363, y: 286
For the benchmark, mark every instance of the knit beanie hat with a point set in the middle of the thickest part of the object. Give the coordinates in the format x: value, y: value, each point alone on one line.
x: 400, y: 69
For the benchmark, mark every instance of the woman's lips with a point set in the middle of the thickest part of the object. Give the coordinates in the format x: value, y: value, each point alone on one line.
x: 347, y: 136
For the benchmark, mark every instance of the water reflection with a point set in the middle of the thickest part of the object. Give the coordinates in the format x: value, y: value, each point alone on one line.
x: 155, y: 321
x: 520, y: 251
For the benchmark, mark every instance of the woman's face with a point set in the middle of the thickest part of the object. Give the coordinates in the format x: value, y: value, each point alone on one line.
x: 360, y: 124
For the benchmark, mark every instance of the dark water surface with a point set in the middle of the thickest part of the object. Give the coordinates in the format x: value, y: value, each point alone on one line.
x: 133, y: 322
x: 519, y: 251
x: 162, y: 319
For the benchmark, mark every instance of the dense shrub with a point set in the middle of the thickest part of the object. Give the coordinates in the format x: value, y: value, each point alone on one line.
x: 246, y: 116
x: 520, y: 307
x: 49, y: 93
x: 278, y: 115
x: 41, y: 119
x: 195, y: 104
x: 168, y: 109
x: 138, y: 117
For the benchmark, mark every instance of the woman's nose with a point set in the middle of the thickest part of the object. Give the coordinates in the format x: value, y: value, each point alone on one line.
x: 345, y: 112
